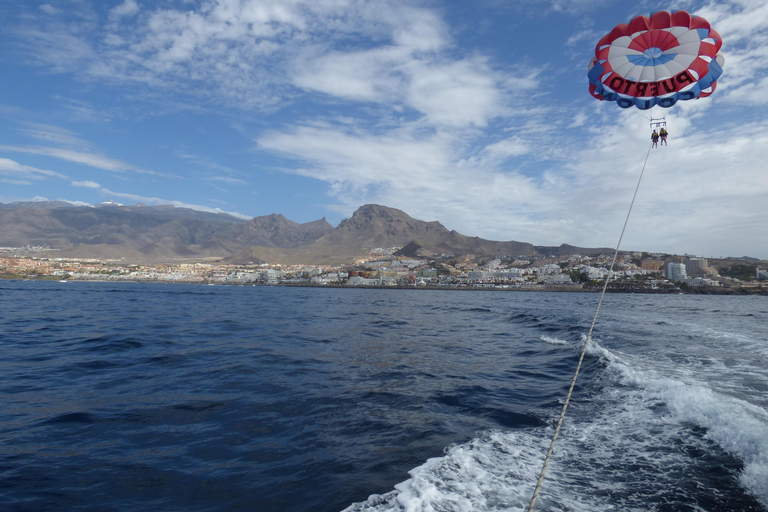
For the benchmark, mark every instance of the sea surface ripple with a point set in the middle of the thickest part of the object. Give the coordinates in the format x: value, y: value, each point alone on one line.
x: 185, y: 397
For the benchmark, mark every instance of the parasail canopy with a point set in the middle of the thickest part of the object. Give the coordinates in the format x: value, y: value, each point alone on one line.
x: 656, y: 60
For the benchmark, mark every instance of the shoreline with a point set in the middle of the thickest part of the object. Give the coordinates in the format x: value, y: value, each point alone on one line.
x: 740, y: 291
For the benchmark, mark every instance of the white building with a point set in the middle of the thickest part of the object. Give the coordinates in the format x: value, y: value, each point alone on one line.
x: 477, y: 275
x: 362, y: 281
x: 510, y: 273
x: 701, y: 281
x: 272, y: 276
x: 596, y: 273
x: 675, y: 271
x: 556, y: 279
x: 695, y: 267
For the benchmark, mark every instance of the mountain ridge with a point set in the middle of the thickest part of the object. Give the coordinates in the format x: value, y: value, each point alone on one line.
x: 166, y: 233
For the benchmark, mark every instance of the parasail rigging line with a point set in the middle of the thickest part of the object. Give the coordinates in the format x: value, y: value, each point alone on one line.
x: 586, y: 343
x: 654, y: 122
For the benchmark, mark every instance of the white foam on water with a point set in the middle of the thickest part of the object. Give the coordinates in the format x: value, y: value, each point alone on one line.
x: 496, y: 471
x: 737, y: 426
x: 616, y: 452
x: 595, y: 349
x: 724, y: 334
x: 553, y: 341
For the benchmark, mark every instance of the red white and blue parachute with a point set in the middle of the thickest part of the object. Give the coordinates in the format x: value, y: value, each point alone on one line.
x: 656, y: 60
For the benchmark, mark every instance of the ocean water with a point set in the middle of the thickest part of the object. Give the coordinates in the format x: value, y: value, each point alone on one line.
x: 123, y: 397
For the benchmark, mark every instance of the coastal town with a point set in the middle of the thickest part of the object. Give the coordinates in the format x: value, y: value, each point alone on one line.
x: 382, y: 267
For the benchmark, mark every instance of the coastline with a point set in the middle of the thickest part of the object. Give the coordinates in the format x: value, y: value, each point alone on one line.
x: 575, y: 288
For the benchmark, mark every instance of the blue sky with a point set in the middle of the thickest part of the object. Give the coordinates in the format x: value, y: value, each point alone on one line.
x: 475, y: 114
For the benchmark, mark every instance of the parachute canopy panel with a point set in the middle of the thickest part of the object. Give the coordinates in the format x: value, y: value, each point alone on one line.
x: 656, y: 60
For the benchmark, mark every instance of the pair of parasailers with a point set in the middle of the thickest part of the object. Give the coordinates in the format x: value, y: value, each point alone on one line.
x: 661, y: 134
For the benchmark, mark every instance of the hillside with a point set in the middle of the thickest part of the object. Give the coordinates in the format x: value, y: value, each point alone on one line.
x: 373, y: 226
x: 141, y: 233
x: 166, y: 233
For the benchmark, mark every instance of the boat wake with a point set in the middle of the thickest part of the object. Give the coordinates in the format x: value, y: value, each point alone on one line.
x: 641, y: 440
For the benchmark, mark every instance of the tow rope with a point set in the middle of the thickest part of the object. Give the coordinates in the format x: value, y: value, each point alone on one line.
x: 589, y: 336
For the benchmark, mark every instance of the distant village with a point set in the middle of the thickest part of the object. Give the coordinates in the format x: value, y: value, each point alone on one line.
x: 381, y: 267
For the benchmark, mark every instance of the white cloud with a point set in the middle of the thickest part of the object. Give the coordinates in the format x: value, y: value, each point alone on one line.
x: 423, y: 175
x: 127, y: 8
x: 57, y: 48
x: 753, y: 93
x: 418, y: 29
x: 11, y: 167
x: 373, y: 75
x: 514, y: 146
x: 579, y: 120
x: 743, y: 24
x: 456, y: 94
x: 49, y: 9
x: 156, y: 200
x: 55, y: 134
x: 86, y: 184
x: 704, y: 181
x: 589, y: 35
x: 338, y: 154
x: 737, y: 20
x: 698, y: 194
x: 83, y: 111
x: 89, y: 159
x: 576, y: 6
x: 228, y: 180
x: 252, y: 53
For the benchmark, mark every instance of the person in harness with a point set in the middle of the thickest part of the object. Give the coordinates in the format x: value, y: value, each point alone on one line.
x: 655, y: 139
x: 663, y: 134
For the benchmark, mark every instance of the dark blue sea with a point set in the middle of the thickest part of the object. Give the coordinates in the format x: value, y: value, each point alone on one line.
x: 150, y: 397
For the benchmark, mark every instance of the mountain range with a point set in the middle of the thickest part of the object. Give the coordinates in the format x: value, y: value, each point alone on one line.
x: 167, y: 233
